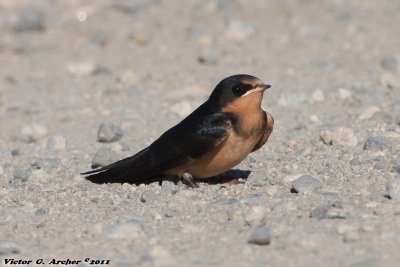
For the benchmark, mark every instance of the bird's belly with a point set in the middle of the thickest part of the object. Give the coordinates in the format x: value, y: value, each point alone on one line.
x: 224, y: 157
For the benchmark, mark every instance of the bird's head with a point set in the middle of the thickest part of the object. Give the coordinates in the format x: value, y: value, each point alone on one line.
x: 238, y: 88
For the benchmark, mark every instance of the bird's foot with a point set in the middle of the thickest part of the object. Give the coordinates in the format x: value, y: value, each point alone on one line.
x: 188, y: 178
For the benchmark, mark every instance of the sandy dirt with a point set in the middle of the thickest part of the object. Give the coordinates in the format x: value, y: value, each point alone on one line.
x: 324, y: 191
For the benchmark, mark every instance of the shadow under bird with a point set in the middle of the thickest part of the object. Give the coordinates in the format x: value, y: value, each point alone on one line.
x: 215, y: 137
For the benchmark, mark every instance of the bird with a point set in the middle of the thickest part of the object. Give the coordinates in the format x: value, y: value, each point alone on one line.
x: 214, y: 138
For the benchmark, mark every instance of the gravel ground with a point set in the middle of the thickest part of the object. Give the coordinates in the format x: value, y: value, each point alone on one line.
x: 84, y: 83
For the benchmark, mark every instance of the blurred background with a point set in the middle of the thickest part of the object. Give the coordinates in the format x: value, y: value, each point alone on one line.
x: 137, y: 67
x: 113, y: 58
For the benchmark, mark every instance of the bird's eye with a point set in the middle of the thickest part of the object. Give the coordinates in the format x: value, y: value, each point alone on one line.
x: 238, y: 90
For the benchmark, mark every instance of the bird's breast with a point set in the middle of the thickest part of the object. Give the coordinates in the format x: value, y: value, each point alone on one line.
x: 228, y: 154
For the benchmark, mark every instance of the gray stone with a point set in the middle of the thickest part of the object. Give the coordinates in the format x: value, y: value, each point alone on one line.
x: 108, y: 133
x: 128, y: 230
x: 21, y: 173
x: 45, y: 163
x: 24, y: 20
x: 149, y: 196
x: 104, y: 156
x: 15, y: 152
x: 253, y: 199
x: 42, y: 211
x: 169, y: 187
x: 85, y: 68
x: 319, y: 212
x: 239, y: 30
x: 7, y: 248
x: 33, y: 132
x: 208, y: 58
x: 393, y: 188
x: 257, y: 179
x: 255, y: 216
x: 130, y: 7
x: 225, y: 201
x: 339, y: 136
x: 389, y: 63
x: 376, y: 143
x: 39, y: 176
x: 306, y: 184
x: 57, y: 142
x: 336, y: 213
x: 260, y: 236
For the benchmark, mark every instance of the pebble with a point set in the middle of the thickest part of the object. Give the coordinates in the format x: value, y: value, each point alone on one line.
x: 369, y: 112
x: 56, y: 142
x: 45, y: 163
x: 39, y: 176
x: 389, y: 63
x: 318, y: 96
x: 339, y: 136
x: 239, y: 30
x: 306, y: 184
x: 389, y: 80
x: 344, y: 93
x: 336, y: 213
x: 22, y: 173
x: 108, y: 133
x: 15, y: 152
x: 130, y: 7
x: 255, y: 216
x: 257, y: 179
x: 83, y: 69
x: 24, y: 20
x: 162, y: 257
x: 260, y: 236
x: 319, y: 212
x: 149, y: 196
x: 104, y: 156
x: 129, y: 231
x: 7, y: 248
x: 207, y: 58
x: 393, y: 188
x: 33, y: 132
x: 376, y: 143
x: 169, y: 187
x: 351, y: 236
x: 128, y: 78
x: 42, y: 211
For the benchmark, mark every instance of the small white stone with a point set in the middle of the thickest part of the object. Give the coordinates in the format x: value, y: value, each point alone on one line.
x: 239, y: 30
x: 129, y: 230
x: 56, y: 142
x: 84, y: 68
x: 290, y: 178
x: 39, y: 176
x: 34, y: 131
x: 393, y: 188
x: 369, y: 112
x: 344, y: 93
x: 318, y: 96
x: 255, y: 216
x: 314, y: 118
x: 339, y: 136
x: 128, y: 77
x: 389, y: 80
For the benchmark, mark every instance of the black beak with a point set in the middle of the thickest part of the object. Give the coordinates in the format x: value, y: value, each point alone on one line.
x: 264, y: 86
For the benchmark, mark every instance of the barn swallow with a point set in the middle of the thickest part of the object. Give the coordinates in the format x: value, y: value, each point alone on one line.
x: 215, y: 137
